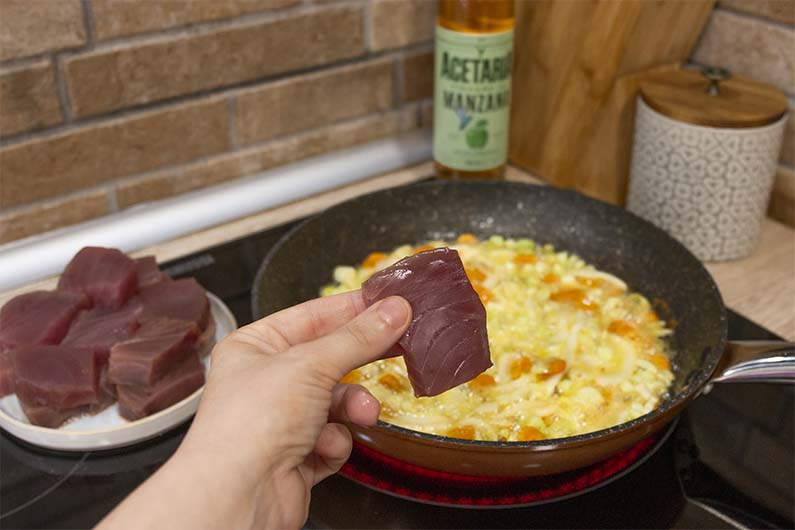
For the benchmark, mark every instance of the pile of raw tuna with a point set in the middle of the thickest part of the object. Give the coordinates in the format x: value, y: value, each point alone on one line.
x: 115, y: 328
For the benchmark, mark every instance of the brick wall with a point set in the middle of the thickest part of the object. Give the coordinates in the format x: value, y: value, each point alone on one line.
x: 105, y: 104
x: 756, y: 38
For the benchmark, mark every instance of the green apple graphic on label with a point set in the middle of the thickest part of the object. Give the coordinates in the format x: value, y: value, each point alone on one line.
x: 477, y: 136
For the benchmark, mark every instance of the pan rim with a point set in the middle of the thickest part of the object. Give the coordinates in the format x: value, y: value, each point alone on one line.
x: 670, y: 405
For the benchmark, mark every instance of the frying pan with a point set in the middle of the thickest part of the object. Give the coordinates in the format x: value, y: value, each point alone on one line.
x: 610, y: 238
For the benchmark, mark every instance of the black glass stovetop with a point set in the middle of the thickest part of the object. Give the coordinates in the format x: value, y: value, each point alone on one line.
x: 728, y: 463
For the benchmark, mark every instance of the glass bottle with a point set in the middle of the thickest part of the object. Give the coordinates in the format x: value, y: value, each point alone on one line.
x: 472, y: 87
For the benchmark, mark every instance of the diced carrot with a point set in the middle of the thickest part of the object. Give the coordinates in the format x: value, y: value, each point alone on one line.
x: 422, y: 248
x: 555, y: 367
x: 550, y: 277
x: 588, y: 282
x: 484, y: 294
x: 651, y: 316
x: 660, y: 361
x: 577, y: 297
x: 475, y: 275
x: 525, y: 259
x: 521, y: 365
x: 373, y: 259
x: 549, y: 419
x: 351, y: 377
x: 465, y: 432
x: 588, y: 305
x: 391, y: 381
x: 621, y: 327
x: 467, y: 239
x: 482, y: 381
x: 529, y: 434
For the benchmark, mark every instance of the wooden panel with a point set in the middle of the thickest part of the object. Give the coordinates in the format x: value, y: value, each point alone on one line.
x: 575, y: 80
x: 782, y: 200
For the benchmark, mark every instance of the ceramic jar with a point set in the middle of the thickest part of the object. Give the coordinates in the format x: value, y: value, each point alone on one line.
x: 704, y: 157
x: 708, y: 187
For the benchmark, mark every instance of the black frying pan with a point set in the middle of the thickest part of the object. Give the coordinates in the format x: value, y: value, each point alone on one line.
x: 645, y: 257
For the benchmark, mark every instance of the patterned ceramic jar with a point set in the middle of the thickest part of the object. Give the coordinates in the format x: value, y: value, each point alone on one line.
x: 708, y: 187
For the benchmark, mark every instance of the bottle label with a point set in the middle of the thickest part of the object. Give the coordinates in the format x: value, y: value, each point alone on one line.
x: 472, y: 98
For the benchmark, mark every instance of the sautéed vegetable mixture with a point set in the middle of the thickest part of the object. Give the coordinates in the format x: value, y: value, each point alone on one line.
x: 574, y: 351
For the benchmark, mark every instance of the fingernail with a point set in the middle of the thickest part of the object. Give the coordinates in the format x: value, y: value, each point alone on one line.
x: 394, y: 310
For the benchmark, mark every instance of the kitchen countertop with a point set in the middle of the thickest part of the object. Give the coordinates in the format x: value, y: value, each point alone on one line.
x: 761, y: 286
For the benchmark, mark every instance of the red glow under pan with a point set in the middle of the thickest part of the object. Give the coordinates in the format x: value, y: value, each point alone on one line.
x: 388, y: 475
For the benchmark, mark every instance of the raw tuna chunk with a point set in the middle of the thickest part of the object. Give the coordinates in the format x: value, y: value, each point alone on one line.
x: 446, y: 343
x: 181, y: 299
x: 148, y: 273
x: 59, y: 377
x: 105, y: 275
x: 45, y: 416
x: 49, y: 417
x: 6, y: 373
x: 153, y: 350
x: 139, y: 401
x: 101, y: 329
x: 40, y: 317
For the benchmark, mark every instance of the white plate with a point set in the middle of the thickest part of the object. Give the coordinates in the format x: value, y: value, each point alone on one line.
x: 108, y: 429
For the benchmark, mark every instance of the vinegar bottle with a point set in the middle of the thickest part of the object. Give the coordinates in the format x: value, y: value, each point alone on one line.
x: 472, y: 87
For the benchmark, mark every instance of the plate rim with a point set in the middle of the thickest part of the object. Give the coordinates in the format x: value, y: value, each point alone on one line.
x: 220, y: 311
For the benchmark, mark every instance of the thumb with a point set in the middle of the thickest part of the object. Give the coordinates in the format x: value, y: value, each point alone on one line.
x: 362, y: 340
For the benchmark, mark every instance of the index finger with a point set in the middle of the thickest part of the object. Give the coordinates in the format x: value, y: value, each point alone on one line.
x: 313, y: 319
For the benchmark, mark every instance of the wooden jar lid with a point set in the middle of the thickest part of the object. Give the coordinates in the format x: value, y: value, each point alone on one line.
x: 713, y: 98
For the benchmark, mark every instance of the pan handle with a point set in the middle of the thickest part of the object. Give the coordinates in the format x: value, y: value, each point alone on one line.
x: 756, y: 361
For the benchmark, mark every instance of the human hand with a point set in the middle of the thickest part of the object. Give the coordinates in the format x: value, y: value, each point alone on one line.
x: 268, y: 426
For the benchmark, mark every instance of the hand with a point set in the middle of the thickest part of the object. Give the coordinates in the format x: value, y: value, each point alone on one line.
x: 268, y: 427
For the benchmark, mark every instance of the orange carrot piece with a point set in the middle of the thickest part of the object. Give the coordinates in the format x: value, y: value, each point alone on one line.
x: 529, y: 434
x: 422, y: 248
x: 525, y: 259
x: 484, y: 293
x: 391, y: 381
x: 475, y: 275
x: 373, y: 259
x: 467, y: 239
x: 621, y: 327
x: 555, y: 367
x: 465, y: 432
x: 660, y: 361
x: 577, y: 297
x: 520, y: 366
x: 351, y: 377
x: 482, y: 381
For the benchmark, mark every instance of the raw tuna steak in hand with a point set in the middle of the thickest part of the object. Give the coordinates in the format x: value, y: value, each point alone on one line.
x: 446, y: 343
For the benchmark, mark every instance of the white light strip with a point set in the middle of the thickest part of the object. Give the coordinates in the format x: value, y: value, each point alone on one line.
x: 152, y: 223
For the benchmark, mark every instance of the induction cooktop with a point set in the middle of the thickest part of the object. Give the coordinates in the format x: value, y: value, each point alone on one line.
x: 728, y: 462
